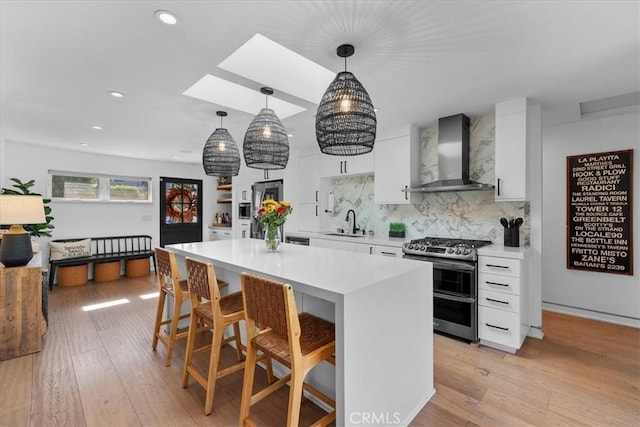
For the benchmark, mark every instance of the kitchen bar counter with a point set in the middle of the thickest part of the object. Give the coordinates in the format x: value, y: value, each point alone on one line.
x: 382, y: 308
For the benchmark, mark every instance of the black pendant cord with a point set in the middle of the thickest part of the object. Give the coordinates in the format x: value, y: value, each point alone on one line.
x: 345, y: 63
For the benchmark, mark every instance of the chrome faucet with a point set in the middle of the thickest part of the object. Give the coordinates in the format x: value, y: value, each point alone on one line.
x: 354, y: 229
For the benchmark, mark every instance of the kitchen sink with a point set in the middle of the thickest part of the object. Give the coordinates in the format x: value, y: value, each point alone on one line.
x: 344, y: 234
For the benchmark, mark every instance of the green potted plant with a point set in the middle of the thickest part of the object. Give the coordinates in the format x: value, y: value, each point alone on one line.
x: 23, y: 189
x: 396, y: 229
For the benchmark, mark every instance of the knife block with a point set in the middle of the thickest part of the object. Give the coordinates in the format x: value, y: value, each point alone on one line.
x: 512, y: 237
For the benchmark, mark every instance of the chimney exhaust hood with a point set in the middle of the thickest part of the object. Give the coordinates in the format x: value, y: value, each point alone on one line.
x: 453, y: 158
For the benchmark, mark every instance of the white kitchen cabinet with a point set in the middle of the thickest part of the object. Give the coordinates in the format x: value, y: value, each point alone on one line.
x: 502, y: 303
x: 331, y: 166
x: 308, y: 216
x: 309, y: 179
x: 334, y: 244
x: 308, y: 208
x: 220, y: 233
x: 390, y: 251
x: 242, y: 229
x: 397, y: 167
x: 365, y: 248
x: 511, y: 150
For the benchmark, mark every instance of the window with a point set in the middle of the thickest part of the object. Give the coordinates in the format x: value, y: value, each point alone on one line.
x: 97, y: 187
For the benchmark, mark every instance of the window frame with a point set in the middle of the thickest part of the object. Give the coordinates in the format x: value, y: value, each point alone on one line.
x: 104, y: 187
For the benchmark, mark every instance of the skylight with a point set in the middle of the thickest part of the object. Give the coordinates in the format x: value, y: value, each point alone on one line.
x: 225, y: 93
x: 267, y: 62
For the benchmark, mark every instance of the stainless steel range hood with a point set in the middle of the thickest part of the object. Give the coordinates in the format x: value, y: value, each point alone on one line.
x: 453, y: 158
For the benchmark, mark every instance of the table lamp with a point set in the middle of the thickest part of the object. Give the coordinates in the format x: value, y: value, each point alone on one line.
x: 15, y: 246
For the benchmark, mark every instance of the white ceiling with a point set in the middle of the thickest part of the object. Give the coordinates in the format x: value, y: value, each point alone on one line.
x: 419, y: 60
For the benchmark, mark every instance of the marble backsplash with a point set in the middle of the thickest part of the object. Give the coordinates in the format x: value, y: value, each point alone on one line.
x: 457, y: 214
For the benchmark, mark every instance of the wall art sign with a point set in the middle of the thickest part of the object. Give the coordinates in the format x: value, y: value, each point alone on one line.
x: 599, y: 212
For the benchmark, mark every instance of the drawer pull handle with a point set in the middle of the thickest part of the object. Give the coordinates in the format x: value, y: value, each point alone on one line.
x: 497, y: 266
x: 387, y: 253
x: 497, y: 300
x: 496, y: 327
x: 496, y: 283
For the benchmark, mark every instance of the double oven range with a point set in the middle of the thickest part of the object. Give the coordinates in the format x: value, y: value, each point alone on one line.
x: 455, y: 282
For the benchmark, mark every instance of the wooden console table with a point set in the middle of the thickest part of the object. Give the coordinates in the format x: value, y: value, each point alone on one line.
x: 20, y: 311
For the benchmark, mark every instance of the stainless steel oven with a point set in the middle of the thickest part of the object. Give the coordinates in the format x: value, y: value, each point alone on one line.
x: 455, y: 283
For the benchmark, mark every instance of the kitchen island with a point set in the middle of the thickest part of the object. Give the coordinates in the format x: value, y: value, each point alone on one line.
x: 382, y: 308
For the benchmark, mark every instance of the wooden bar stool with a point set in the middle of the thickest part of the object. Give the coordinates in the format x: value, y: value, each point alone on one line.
x: 299, y: 341
x: 211, y: 311
x: 168, y: 275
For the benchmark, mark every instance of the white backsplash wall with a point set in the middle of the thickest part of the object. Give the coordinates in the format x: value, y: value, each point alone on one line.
x: 457, y: 214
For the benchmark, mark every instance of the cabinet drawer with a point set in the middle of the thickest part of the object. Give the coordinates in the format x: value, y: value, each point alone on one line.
x: 391, y: 251
x: 496, y: 282
x: 499, y: 326
x: 496, y: 265
x: 499, y: 300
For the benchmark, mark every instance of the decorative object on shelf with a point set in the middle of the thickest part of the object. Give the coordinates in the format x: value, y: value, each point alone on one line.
x: 22, y: 189
x: 266, y: 144
x: 272, y: 216
x: 396, y: 229
x: 16, y: 249
x: 346, y: 119
x: 220, y: 156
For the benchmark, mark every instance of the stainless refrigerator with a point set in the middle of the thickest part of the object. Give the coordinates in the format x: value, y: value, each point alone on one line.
x: 260, y: 191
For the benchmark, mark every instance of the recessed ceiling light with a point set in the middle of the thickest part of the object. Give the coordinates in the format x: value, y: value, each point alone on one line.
x: 116, y: 94
x: 166, y: 17
x: 84, y: 144
x: 175, y: 157
x: 96, y: 127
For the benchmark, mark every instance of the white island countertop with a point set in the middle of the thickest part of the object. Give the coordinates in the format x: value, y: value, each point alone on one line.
x: 383, y: 316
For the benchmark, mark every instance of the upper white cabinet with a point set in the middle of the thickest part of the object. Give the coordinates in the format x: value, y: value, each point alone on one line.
x: 511, y: 150
x: 308, y: 209
x: 309, y: 179
x: 397, y: 167
x: 346, y: 165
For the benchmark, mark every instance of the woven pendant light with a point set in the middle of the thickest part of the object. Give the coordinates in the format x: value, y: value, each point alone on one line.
x: 220, y: 156
x: 266, y: 144
x: 346, y: 120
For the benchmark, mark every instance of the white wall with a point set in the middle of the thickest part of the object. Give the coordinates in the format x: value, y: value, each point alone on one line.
x: 87, y: 219
x: 610, y: 297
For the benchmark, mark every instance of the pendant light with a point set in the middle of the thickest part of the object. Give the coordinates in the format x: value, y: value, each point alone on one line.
x: 266, y: 145
x: 220, y: 156
x: 346, y: 120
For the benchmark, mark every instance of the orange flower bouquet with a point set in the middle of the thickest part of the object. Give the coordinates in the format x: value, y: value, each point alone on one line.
x: 272, y: 216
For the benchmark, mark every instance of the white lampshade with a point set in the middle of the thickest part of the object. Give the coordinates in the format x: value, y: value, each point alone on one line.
x: 16, y: 209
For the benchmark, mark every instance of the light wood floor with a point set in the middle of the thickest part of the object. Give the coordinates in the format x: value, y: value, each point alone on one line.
x: 97, y: 368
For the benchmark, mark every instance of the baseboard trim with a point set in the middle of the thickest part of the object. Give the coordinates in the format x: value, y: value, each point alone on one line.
x: 591, y: 314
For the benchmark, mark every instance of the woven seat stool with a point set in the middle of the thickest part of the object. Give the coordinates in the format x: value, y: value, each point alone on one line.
x: 210, y: 311
x: 299, y: 341
x: 168, y: 274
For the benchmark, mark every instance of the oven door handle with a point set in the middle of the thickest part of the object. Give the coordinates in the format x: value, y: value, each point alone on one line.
x: 454, y: 298
x: 453, y: 266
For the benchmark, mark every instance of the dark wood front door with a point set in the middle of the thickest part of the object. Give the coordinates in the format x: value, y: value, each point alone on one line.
x: 180, y: 210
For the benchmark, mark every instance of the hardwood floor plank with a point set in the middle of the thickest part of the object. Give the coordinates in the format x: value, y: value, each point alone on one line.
x: 152, y: 401
x: 55, y: 399
x: 15, y: 384
x: 104, y: 397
